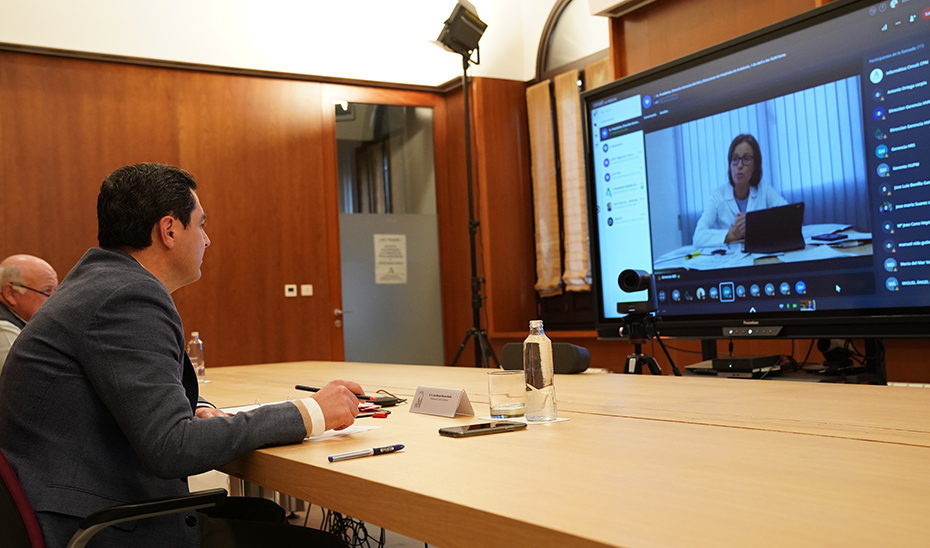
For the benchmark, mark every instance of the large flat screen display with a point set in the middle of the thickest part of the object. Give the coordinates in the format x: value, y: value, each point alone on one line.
x: 776, y: 185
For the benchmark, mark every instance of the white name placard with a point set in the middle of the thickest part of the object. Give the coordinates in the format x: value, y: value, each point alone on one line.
x: 445, y: 402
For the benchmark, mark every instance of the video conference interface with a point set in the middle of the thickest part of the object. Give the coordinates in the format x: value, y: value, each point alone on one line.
x: 841, y: 115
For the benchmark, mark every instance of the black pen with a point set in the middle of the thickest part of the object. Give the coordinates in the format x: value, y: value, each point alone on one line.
x: 366, y: 453
x: 315, y: 389
x: 379, y: 414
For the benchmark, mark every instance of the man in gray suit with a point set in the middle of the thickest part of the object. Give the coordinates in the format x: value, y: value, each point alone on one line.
x: 98, y: 400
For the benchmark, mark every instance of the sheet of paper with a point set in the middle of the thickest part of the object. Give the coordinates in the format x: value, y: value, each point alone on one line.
x: 704, y: 259
x: 390, y: 258
x: 241, y: 408
x: 354, y: 429
x: 822, y: 228
x: 328, y: 435
x: 811, y: 253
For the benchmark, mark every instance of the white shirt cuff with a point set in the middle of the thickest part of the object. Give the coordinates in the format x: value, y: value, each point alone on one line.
x: 316, y: 417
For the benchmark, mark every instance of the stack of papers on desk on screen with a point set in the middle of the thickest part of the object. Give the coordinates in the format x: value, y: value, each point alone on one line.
x: 693, y: 258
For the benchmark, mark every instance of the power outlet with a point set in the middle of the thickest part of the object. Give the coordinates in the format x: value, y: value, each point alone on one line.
x: 290, y: 290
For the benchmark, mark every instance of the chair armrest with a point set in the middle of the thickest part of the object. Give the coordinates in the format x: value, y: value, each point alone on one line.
x: 106, y: 517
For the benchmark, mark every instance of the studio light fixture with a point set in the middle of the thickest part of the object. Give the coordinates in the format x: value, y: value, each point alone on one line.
x: 462, y: 30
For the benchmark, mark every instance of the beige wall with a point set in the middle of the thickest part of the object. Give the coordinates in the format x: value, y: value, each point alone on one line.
x: 358, y: 39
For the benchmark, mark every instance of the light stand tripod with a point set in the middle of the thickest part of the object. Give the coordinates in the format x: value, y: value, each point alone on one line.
x: 482, y: 347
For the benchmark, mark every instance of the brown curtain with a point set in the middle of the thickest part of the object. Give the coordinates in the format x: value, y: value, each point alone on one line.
x: 577, y: 275
x: 545, y: 198
x: 597, y: 73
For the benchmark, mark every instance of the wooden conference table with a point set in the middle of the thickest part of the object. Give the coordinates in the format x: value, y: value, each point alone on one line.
x: 642, y: 461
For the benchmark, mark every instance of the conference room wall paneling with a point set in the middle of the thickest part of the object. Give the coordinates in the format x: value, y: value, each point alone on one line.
x: 255, y: 146
x: 664, y: 31
x: 263, y: 152
x: 454, y: 244
x: 63, y: 127
x: 452, y: 206
x: 505, y: 204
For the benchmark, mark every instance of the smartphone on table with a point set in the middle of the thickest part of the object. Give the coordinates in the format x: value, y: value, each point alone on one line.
x: 481, y: 428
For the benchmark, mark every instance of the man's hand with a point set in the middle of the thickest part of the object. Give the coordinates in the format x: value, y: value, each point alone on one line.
x: 338, y: 402
x: 205, y: 412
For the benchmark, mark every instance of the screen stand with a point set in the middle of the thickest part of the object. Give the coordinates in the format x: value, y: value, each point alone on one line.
x: 872, y: 370
x: 708, y: 349
x: 875, y: 361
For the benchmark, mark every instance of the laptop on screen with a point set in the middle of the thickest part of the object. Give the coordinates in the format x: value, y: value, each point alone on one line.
x: 775, y: 229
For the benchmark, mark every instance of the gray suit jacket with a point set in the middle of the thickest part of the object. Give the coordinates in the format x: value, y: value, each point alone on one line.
x: 96, y: 405
x: 10, y: 327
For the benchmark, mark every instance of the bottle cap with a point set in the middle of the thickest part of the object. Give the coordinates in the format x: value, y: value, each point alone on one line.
x: 195, y: 333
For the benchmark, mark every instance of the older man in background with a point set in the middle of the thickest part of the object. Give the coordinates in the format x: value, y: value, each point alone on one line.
x: 25, y: 283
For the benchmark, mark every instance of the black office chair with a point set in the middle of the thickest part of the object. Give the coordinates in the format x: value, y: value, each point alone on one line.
x: 20, y: 528
x: 566, y: 358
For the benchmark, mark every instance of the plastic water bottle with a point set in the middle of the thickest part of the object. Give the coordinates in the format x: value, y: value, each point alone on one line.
x: 537, y: 367
x: 195, y: 353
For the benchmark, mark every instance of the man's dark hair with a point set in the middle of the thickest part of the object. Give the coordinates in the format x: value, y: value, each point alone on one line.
x: 757, y: 158
x: 134, y: 198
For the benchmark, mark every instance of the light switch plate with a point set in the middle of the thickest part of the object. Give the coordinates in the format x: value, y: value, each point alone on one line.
x: 290, y: 290
x: 306, y: 290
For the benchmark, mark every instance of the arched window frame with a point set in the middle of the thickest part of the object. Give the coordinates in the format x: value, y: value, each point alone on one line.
x: 545, y: 41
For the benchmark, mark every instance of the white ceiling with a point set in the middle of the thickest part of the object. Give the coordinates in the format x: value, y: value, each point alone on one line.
x: 388, y: 41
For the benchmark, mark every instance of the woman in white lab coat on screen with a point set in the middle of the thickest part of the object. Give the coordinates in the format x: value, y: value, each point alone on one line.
x: 724, y: 217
